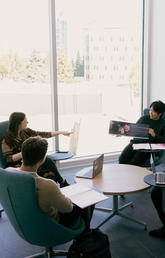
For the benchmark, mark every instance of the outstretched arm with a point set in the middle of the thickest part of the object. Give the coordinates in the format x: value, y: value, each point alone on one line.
x: 29, y: 132
x: 17, y: 156
x: 65, y: 133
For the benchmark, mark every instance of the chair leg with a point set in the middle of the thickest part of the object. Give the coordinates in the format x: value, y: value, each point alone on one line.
x: 48, y: 253
x: 37, y: 255
x: 1, y: 212
x: 53, y: 253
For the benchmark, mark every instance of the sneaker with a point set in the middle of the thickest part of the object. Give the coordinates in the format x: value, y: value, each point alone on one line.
x: 160, y: 232
x: 63, y: 184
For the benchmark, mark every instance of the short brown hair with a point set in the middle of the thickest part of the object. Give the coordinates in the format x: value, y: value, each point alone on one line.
x: 34, y: 150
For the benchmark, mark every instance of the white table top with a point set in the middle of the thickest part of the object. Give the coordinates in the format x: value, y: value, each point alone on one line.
x: 117, y: 179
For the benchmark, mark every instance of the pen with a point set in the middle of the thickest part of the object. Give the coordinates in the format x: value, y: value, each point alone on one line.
x: 61, y: 151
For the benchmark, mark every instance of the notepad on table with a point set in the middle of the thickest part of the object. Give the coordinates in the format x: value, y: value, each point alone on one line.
x: 148, y: 146
x: 83, y: 196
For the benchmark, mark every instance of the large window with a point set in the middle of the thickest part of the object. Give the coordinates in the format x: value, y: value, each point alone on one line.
x: 99, y: 69
x: 24, y: 61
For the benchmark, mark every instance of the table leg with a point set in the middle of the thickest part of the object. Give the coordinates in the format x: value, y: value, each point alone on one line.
x: 152, y: 161
x: 132, y: 219
x: 116, y: 211
x: 103, y: 209
x: 125, y: 206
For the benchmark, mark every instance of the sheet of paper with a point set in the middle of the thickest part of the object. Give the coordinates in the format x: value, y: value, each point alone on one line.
x: 82, y: 195
x: 74, y: 189
x: 158, y: 146
x: 88, y: 198
x: 141, y: 146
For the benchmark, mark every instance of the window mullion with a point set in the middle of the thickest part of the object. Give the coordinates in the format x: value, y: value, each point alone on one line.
x: 53, y: 67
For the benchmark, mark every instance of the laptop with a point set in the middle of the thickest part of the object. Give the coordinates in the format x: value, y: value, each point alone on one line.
x: 160, y: 178
x: 93, y: 171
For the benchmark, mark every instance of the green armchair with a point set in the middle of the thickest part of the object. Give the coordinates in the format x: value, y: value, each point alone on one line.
x: 3, y: 129
x: 19, y: 199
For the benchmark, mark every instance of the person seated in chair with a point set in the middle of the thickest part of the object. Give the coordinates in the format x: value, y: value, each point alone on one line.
x: 51, y: 200
x: 16, y: 135
x: 156, y: 135
x: 158, y: 198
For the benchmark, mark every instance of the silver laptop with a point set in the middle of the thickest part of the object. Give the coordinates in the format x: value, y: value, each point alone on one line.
x: 93, y: 171
x: 160, y: 178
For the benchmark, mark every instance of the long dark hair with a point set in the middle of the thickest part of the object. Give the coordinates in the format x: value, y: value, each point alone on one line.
x: 15, y: 120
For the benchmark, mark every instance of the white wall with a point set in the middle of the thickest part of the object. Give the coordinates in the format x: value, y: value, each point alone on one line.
x: 156, y: 66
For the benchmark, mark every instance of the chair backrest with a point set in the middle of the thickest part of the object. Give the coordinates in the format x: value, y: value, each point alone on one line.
x: 3, y: 129
x: 18, y: 197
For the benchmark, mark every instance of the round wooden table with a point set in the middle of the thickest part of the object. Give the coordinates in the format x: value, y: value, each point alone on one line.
x: 118, y: 179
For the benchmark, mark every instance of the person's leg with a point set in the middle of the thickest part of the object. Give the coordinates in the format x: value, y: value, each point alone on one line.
x: 132, y: 157
x: 50, y: 166
x: 156, y: 196
x: 87, y: 214
x: 139, y: 158
x: 126, y: 155
x: 68, y: 218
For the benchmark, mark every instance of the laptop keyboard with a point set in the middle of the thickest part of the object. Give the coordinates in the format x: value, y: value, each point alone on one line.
x: 160, y: 178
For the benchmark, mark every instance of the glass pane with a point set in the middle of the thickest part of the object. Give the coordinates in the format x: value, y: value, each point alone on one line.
x: 24, y: 61
x: 99, y: 63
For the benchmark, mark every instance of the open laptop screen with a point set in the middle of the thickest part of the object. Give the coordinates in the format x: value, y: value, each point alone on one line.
x: 92, y: 171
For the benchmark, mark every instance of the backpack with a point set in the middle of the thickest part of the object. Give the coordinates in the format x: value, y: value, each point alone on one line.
x: 93, y: 244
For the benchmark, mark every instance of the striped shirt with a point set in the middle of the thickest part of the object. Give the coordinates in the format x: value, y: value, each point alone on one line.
x: 9, y: 151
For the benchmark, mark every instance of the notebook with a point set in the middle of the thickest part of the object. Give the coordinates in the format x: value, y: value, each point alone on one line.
x: 160, y: 178
x: 93, y: 171
x: 82, y: 195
